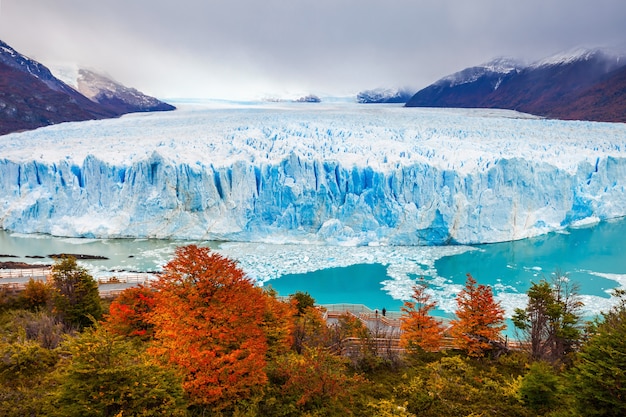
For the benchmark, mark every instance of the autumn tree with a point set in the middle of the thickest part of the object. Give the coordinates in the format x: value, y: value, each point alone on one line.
x: 550, y: 323
x: 76, y: 296
x: 420, y: 331
x: 129, y: 313
x: 36, y: 295
x: 208, y: 322
x: 480, y: 319
x: 351, y: 337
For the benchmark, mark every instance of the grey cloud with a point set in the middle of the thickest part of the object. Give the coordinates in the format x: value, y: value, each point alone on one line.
x: 197, y: 47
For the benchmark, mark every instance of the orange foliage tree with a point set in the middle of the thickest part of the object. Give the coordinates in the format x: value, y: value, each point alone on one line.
x: 480, y: 319
x: 209, y: 323
x: 128, y: 313
x: 420, y: 331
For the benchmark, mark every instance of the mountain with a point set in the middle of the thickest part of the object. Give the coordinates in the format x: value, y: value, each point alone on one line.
x: 110, y: 94
x: 31, y: 96
x: 603, y: 101
x: 557, y: 87
x: 469, y: 87
x: 383, y: 95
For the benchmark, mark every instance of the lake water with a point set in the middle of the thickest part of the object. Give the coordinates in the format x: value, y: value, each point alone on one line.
x: 594, y: 257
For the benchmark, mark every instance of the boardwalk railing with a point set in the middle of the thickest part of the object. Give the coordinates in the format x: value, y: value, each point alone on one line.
x: 35, y: 273
x: 138, y: 278
x: 110, y: 285
x: 361, y: 309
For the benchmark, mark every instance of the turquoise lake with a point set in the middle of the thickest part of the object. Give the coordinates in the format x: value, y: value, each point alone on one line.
x: 593, y: 257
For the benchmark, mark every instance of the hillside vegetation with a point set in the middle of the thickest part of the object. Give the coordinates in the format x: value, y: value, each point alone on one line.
x: 203, y: 340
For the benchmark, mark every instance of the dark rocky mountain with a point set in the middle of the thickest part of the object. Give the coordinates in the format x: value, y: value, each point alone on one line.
x: 604, y: 101
x: 26, y: 102
x: 383, y: 95
x: 559, y: 87
x: 31, y: 97
x: 469, y: 87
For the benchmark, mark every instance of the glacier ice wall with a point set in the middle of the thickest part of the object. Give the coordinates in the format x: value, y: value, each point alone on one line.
x: 335, y: 176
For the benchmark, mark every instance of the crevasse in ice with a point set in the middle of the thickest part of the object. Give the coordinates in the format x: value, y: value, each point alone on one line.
x: 338, y: 174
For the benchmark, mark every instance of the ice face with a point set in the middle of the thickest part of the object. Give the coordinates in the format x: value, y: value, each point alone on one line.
x: 337, y: 174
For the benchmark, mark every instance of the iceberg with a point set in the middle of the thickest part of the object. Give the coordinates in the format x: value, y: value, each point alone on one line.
x: 331, y: 174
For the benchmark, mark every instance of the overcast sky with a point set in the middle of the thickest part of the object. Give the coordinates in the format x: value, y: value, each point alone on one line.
x: 254, y: 48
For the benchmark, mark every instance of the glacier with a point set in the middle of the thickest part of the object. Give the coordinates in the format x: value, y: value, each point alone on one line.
x: 327, y: 173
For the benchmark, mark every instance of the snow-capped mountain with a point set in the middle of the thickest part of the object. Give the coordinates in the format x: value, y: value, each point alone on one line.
x: 384, y: 95
x: 31, y: 97
x: 336, y: 174
x: 14, y: 59
x: 494, y: 70
x: 543, y: 88
x: 467, y: 87
x: 109, y: 93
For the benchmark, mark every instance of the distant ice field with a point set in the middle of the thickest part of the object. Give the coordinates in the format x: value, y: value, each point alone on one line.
x: 334, y: 173
x: 377, y: 136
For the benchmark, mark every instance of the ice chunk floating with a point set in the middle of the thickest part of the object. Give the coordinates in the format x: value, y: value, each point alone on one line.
x: 337, y: 174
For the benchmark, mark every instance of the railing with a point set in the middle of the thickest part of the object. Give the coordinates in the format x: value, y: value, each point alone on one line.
x: 17, y: 279
x: 361, y: 308
x: 138, y: 278
x: 35, y: 273
x: 126, y: 280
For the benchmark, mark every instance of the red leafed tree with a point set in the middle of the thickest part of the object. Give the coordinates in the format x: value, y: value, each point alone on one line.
x: 209, y: 324
x: 128, y: 313
x: 420, y: 331
x: 480, y: 319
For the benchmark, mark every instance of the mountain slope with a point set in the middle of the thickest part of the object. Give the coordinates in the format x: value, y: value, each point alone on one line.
x: 115, y: 96
x: 467, y: 88
x: 546, y: 88
x: 31, y: 97
x: 604, y: 101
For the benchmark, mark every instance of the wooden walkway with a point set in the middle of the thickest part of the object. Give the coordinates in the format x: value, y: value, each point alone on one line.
x: 385, y: 331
